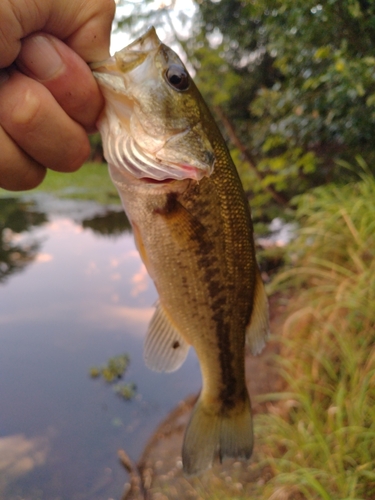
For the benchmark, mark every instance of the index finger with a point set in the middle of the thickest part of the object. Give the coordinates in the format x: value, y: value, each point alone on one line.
x: 84, y: 25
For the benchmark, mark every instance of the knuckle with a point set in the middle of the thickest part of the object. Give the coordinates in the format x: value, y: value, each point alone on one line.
x: 26, y: 108
x: 20, y: 104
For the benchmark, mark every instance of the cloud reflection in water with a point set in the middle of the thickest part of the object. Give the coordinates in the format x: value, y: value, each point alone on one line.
x: 19, y: 455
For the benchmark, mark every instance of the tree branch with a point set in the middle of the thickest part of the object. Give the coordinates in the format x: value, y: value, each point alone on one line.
x: 247, y: 156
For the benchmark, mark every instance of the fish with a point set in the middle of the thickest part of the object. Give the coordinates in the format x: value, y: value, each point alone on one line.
x: 192, y: 226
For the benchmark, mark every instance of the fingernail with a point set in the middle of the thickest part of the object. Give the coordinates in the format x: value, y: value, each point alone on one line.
x: 39, y: 56
x: 4, y: 76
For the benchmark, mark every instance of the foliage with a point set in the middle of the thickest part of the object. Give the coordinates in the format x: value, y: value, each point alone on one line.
x: 320, y: 439
x: 114, y: 371
x: 17, y: 217
x: 304, y: 86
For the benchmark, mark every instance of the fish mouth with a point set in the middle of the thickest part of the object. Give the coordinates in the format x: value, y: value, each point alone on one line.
x: 126, y: 59
x: 150, y: 180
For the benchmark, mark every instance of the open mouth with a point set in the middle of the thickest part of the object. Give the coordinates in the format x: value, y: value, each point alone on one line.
x: 150, y: 180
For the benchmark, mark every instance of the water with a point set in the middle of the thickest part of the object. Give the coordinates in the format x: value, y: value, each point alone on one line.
x: 73, y: 293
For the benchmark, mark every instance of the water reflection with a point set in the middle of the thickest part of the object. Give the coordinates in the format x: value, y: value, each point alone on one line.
x: 17, y: 217
x: 109, y: 224
x: 20, y: 455
x: 81, y: 299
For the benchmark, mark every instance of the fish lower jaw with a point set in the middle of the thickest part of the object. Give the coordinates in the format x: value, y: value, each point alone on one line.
x: 145, y: 185
x: 154, y: 186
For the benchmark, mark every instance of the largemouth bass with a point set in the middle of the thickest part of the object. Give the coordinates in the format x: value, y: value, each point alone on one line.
x: 192, y: 227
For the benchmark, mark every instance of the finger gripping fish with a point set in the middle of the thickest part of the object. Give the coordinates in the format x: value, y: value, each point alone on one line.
x: 192, y: 227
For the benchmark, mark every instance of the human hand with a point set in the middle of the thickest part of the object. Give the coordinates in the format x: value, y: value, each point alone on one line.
x: 49, y: 99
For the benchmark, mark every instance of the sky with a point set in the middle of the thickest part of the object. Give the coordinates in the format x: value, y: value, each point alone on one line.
x: 178, y: 7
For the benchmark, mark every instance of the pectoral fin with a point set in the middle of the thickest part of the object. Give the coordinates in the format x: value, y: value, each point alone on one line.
x: 165, y: 350
x: 257, y: 330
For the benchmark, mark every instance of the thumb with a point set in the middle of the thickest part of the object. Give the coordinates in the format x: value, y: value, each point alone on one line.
x: 53, y: 64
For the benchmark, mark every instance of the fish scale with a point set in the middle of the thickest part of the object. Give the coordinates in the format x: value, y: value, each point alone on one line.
x: 192, y: 226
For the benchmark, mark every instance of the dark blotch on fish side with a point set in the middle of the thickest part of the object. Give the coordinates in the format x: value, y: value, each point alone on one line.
x: 170, y: 206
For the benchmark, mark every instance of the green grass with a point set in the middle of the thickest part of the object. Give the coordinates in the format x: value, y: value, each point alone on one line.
x: 320, y: 437
x: 90, y: 182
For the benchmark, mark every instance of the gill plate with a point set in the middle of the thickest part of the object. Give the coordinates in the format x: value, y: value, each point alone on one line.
x: 123, y: 152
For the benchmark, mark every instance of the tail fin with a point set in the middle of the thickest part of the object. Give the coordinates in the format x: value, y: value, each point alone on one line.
x: 209, y: 435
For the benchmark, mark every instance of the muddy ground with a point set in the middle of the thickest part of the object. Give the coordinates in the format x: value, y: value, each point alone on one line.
x: 158, y: 474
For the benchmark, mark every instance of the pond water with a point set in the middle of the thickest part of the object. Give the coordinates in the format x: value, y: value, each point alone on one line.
x: 73, y: 293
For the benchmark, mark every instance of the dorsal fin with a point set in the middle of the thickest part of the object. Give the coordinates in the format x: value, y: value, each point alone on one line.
x: 258, y: 329
x: 165, y: 350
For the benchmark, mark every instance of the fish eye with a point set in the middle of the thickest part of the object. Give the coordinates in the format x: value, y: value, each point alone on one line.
x: 177, y: 77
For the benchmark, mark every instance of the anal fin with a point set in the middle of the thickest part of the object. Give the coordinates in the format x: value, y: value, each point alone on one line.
x: 258, y: 329
x: 165, y: 350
